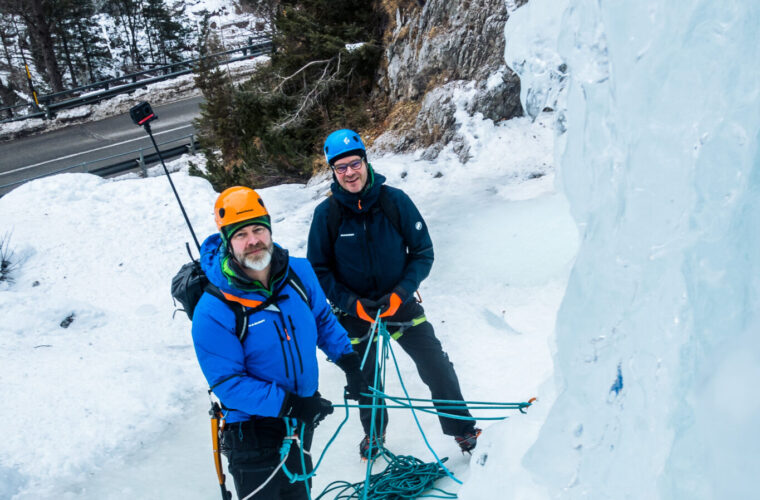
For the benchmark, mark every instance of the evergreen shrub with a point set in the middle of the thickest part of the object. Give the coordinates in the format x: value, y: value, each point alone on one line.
x: 270, y: 129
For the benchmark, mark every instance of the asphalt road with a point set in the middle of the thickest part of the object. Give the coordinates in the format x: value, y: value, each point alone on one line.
x: 37, y: 155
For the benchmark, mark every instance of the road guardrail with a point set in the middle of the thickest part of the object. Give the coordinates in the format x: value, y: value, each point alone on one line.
x: 50, y: 105
x: 135, y: 159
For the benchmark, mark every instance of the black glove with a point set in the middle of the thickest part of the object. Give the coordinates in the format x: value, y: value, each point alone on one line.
x: 367, y: 308
x: 311, y: 410
x: 390, y: 302
x: 356, y: 384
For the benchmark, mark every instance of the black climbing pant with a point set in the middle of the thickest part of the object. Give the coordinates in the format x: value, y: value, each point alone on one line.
x: 252, y: 449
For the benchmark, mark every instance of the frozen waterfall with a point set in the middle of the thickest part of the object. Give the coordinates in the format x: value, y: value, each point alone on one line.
x: 658, y: 153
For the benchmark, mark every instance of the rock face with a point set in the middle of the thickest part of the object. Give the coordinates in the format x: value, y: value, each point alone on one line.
x: 442, y: 55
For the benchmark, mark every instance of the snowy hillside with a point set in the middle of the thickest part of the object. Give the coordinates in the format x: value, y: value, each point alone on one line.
x: 113, y: 405
x: 229, y: 23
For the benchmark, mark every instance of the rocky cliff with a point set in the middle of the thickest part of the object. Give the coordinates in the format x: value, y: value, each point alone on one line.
x: 440, y: 56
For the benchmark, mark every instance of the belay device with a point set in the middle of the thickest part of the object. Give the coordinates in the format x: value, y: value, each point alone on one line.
x: 142, y: 114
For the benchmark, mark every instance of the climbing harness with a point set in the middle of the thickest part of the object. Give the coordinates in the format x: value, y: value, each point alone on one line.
x: 402, y: 326
x: 284, y: 452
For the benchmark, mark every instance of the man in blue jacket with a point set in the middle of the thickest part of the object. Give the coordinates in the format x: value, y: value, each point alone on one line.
x: 371, y: 249
x: 269, y: 373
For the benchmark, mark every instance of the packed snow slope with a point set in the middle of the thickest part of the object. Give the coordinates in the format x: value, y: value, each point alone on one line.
x: 102, y: 395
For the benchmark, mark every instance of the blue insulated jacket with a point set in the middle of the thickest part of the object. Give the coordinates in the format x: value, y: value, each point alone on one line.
x: 278, y: 354
x: 369, y: 257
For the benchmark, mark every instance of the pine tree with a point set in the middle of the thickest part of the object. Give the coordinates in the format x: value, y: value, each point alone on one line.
x: 39, y: 21
x: 81, y: 44
x: 7, y: 37
x: 7, y: 40
x: 216, y: 126
x: 166, y: 27
x: 314, y: 84
x: 91, y: 45
x: 7, y: 96
x: 127, y: 14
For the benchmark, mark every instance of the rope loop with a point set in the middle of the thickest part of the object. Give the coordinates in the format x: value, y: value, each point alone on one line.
x: 404, y: 476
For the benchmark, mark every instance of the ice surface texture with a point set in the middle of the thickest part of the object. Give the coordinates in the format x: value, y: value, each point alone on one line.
x: 657, y: 338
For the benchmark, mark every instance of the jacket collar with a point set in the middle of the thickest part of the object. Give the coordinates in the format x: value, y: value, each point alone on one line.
x: 362, y: 201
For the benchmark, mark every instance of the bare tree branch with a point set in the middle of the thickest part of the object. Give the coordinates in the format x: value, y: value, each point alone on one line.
x: 302, y: 69
x: 311, y: 97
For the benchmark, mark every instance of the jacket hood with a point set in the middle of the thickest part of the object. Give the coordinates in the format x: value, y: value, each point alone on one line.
x: 362, y: 201
x: 213, y: 256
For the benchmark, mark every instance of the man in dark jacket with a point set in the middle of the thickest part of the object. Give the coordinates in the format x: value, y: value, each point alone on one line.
x: 267, y: 376
x: 371, y: 249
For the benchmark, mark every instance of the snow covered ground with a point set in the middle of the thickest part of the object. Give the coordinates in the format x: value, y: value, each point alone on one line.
x: 113, y: 405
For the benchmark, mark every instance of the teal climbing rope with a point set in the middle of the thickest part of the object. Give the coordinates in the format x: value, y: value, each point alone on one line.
x: 404, y: 476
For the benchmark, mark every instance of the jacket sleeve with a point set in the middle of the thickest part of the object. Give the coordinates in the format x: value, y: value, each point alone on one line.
x: 332, y: 338
x: 321, y: 254
x: 222, y: 361
x: 419, y: 245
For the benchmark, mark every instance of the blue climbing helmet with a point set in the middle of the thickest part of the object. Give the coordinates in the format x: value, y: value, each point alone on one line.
x: 342, y: 143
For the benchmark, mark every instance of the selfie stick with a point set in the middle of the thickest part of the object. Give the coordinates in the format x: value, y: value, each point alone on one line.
x: 142, y: 115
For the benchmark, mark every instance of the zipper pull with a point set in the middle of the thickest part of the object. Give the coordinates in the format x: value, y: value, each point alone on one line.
x: 360, y: 204
x: 287, y: 335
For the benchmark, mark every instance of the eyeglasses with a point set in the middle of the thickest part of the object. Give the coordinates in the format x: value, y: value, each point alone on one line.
x: 355, y: 165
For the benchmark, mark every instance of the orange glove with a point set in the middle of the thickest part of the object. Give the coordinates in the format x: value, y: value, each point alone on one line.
x: 388, y: 305
x: 366, y: 309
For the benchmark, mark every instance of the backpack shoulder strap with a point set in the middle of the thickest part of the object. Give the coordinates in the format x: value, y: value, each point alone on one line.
x: 390, y: 209
x: 242, y: 312
x: 334, y: 216
x: 241, y: 315
x: 297, y: 284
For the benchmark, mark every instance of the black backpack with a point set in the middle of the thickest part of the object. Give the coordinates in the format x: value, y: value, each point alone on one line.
x: 190, y: 282
x: 386, y: 205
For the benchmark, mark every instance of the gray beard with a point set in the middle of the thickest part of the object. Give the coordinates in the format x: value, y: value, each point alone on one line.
x: 259, y: 264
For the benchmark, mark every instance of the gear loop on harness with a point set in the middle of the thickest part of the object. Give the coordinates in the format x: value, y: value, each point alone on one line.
x: 403, y: 326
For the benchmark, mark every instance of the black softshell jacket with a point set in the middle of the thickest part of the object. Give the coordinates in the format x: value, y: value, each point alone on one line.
x: 369, y: 258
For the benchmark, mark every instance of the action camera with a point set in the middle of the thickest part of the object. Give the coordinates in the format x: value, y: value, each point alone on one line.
x: 142, y: 113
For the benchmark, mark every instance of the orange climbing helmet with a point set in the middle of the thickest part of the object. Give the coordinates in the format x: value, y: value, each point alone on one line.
x: 237, y: 207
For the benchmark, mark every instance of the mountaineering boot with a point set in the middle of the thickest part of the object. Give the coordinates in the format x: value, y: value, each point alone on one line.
x: 377, y: 444
x: 468, y: 442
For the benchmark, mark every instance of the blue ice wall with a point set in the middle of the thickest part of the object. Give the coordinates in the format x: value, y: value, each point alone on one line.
x: 658, y: 337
